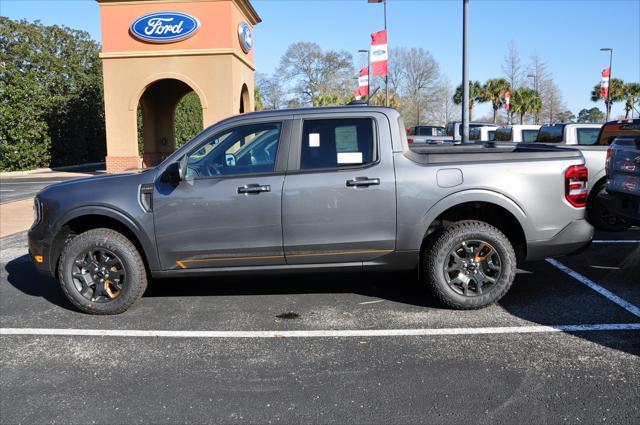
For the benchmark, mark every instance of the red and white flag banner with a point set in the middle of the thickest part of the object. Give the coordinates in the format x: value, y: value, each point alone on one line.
x: 604, y: 84
x: 379, y: 54
x: 363, y: 83
x: 507, y: 98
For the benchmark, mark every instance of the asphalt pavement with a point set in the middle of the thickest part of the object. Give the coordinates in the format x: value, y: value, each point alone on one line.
x: 339, y: 348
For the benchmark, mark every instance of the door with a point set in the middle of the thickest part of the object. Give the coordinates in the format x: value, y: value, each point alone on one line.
x: 226, y: 212
x: 339, y: 202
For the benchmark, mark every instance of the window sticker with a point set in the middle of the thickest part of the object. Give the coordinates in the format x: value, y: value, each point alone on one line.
x: 349, y: 157
x: 314, y: 140
x: 346, y: 139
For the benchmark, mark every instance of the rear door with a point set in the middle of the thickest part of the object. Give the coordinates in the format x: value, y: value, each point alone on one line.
x: 339, y: 195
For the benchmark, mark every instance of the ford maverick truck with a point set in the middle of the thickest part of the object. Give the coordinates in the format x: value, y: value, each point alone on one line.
x: 318, y: 189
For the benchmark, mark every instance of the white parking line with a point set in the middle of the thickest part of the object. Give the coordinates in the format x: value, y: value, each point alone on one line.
x: 599, y: 289
x: 615, y: 241
x: 322, y: 333
x: 6, y: 190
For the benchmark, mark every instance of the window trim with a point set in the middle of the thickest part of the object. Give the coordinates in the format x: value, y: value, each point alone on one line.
x: 295, y: 155
x: 279, y: 166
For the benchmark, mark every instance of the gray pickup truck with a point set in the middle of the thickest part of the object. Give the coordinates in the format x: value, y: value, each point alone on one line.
x: 318, y: 189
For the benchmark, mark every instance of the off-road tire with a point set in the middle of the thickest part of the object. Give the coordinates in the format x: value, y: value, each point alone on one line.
x: 437, y: 253
x: 133, y: 287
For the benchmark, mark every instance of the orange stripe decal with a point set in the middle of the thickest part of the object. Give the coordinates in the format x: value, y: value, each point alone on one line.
x: 182, y: 265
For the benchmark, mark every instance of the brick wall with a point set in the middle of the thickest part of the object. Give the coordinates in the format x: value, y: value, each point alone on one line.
x: 123, y: 163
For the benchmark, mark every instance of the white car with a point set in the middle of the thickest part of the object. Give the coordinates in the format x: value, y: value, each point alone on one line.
x: 517, y: 133
x: 486, y: 133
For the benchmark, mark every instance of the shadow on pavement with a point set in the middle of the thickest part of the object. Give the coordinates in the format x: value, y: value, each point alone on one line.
x: 24, y: 277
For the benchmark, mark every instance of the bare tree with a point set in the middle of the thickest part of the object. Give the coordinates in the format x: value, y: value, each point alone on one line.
x: 271, y: 90
x: 539, y: 75
x: 445, y: 109
x: 415, y: 79
x: 313, y: 73
x: 552, y: 104
x: 512, y: 69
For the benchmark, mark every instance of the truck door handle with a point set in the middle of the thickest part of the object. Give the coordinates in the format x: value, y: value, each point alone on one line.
x: 253, y: 188
x: 362, y: 181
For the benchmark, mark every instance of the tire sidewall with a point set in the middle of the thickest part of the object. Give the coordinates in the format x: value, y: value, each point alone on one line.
x: 83, y: 243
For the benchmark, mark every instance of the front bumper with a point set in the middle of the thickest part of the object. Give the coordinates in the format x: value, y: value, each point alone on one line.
x: 621, y: 204
x: 40, y: 245
x: 574, y: 238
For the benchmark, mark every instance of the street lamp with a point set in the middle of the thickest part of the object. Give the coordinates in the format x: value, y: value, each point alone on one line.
x: 610, y: 50
x: 368, y: 73
x: 535, y: 89
x: 386, y: 78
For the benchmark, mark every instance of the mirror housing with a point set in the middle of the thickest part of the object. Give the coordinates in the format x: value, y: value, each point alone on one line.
x: 173, y: 173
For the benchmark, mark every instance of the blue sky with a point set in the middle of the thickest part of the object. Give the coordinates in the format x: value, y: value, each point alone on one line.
x: 566, y: 34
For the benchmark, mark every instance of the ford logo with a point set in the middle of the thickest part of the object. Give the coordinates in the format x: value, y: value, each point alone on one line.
x: 245, y: 36
x: 379, y: 52
x: 164, y: 27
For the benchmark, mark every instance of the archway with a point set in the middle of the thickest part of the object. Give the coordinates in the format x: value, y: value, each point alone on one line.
x: 245, y: 100
x: 158, y: 109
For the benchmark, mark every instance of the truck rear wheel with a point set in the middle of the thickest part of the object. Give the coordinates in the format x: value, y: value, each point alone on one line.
x: 101, y: 272
x: 470, y: 265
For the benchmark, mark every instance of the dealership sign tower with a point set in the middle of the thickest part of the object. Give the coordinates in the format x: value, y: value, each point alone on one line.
x: 154, y: 52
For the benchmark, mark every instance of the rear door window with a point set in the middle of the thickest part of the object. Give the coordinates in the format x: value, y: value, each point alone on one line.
x: 587, y: 136
x: 529, y: 136
x: 337, y: 143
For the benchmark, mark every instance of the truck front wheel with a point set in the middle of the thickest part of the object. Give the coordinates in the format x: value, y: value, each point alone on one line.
x: 101, y: 272
x: 470, y: 265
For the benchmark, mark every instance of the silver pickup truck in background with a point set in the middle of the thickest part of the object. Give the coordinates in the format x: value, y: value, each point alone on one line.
x: 317, y: 189
x: 593, y: 141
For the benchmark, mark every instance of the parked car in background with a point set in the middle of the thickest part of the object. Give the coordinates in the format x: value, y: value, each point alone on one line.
x: 569, y: 134
x: 517, y: 133
x: 427, y: 135
x: 593, y: 141
x: 426, y: 130
x: 622, y: 190
x: 317, y: 189
x: 486, y: 133
x: 454, y: 128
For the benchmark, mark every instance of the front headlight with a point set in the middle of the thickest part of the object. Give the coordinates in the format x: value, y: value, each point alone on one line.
x: 37, y: 211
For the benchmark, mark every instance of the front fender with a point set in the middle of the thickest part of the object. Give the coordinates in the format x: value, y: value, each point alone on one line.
x: 142, y: 234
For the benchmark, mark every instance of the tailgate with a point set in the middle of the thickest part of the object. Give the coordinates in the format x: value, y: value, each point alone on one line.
x: 624, y: 166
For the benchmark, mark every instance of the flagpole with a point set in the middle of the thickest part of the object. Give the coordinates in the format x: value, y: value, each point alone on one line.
x: 386, y: 77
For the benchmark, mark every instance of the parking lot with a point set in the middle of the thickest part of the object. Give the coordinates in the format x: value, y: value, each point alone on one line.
x: 562, y: 346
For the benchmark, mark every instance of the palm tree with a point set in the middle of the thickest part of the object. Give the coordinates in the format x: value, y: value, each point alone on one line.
x: 493, y: 91
x: 616, y: 94
x: 476, y: 94
x: 632, y: 93
x: 526, y: 100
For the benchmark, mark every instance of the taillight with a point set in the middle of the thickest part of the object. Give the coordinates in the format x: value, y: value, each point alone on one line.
x: 576, y: 189
x: 608, y: 160
x: 410, y: 141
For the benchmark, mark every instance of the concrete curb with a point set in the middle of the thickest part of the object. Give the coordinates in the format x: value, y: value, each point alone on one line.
x: 49, y: 170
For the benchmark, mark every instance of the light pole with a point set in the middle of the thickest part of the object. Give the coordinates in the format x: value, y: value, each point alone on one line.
x: 386, y: 78
x: 535, y: 89
x: 610, y: 50
x: 465, y: 72
x: 368, y: 73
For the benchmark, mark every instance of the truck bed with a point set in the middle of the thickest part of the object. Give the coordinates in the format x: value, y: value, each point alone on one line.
x: 434, y: 154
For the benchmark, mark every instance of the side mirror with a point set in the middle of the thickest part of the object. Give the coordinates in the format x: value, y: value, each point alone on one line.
x: 172, y: 174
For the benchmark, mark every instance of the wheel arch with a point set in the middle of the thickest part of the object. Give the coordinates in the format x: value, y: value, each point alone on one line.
x: 91, y: 217
x: 487, y: 206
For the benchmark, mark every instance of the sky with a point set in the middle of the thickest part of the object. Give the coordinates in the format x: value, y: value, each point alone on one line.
x: 566, y: 34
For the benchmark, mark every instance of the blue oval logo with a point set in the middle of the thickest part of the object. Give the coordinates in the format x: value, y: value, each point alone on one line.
x: 379, y: 52
x: 245, y: 36
x: 164, y: 27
